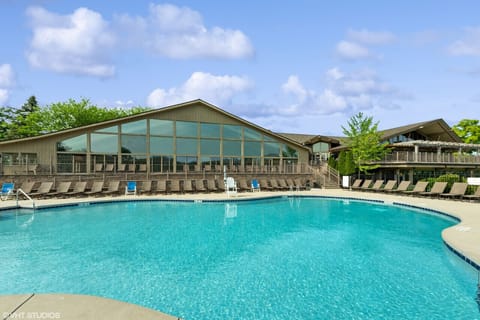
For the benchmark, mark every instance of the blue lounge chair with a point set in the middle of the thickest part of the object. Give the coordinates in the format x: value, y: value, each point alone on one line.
x: 7, y: 190
x: 255, y: 185
x: 131, y: 188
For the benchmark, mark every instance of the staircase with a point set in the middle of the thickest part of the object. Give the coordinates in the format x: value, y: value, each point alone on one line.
x: 325, y: 176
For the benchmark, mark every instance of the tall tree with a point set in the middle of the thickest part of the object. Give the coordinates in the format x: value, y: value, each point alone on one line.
x: 468, y: 130
x: 364, y: 142
x: 6, y: 118
x: 70, y: 114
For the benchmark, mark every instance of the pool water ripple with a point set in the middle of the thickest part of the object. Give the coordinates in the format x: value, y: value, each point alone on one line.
x: 274, y: 259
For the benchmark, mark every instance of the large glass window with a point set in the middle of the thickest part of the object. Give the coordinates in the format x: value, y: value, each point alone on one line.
x: 161, y: 127
x: 104, y: 143
x: 161, y: 145
x: 19, y: 158
x: 134, y: 144
x: 186, y: 146
x: 232, y: 132
x: 75, y: 144
x: 251, y: 134
x: 113, y: 129
x: 135, y: 127
x: 71, y: 163
x: 161, y: 163
x: 253, y: 148
x: 232, y: 148
x: 210, y: 146
x: 271, y: 149
x: 186, y: 129
x: 209, y: 130
x: 289, y: 152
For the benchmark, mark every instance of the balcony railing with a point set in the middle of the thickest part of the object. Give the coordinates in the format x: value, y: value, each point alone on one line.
x: 430, y: 157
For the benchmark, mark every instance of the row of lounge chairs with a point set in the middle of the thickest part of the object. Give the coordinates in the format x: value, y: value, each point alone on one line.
x: 79, y: 188
x: 458, y: 189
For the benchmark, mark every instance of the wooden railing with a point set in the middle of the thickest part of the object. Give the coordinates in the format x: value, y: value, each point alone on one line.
x: 430, y: 157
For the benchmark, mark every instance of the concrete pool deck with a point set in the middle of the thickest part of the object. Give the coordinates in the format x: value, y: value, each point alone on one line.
x: 463, y: 237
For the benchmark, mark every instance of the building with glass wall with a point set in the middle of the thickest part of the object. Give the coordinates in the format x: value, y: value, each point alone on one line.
x: 191, y: 136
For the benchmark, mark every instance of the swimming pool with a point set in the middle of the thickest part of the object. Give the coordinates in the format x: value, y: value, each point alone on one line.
x: 303, y: 258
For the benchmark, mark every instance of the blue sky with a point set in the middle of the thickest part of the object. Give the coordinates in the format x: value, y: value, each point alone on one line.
x: 290, y: 66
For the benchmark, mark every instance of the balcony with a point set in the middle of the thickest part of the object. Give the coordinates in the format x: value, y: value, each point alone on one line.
x: 435, y: 158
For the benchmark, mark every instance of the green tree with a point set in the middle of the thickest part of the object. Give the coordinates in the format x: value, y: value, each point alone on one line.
x: 468, y: 130
x: 6, y: 118
x: 364, y: 142
x: 345, y: 163
x: 70, y: 114
x: 18, y: 122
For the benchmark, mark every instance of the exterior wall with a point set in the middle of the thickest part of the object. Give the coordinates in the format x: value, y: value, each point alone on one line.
x: 46, y: 147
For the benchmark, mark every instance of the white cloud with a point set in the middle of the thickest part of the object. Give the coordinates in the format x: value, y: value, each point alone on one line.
x: 79, y: 43
x: 211, y: 88
x: 3, y: 96
x: 179, y: 33
x: 370, y: 37
x: 352, y: 51
x: 469, y: 45
x: 7, y: 81
x: 294, y: 86
x: 344, y: 93
x: 7, y: 77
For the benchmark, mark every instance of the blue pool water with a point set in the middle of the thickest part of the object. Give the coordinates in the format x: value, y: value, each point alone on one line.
x: 286, y: 258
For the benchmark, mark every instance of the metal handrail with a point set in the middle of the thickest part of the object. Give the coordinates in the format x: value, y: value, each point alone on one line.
x: 27, y: 196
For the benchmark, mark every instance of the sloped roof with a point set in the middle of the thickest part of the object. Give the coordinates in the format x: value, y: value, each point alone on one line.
x: 435, y: 130
x: 145, y: 114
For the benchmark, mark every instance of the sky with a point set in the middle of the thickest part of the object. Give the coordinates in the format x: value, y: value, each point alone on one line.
x: 289, y: 66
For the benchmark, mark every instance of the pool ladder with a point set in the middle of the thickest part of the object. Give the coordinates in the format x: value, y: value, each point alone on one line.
x: 20, y: 191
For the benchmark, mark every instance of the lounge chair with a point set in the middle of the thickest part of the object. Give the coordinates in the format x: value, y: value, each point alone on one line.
x: 78, y: 189
x: 161, y: 186
x: 221, y: 185
x: 7, y: 190
x: 242, y: 185
x: 365, y: 185
x: 290, y: 184
x: 113, y: 187
x: 62, y: 189
x: 376, y: 186
x: 388, y: 186
x: 98, y: 167
x: 264, y: 185
x: 274, y: 184
x: 255, y: 185
x: 145, y: 187
x: 121, y: 167
x: 475, y: 196
x: 211, y: 186
x: 356, y: 184
x: 200, y: 186
x: 421, y: 186
x: 45, y: 188
x: 437, y: 189
x: 299, y: 185
x: 283, y: 184
x: 187, y: 186
x: 109, y: 167
x: 96, y: 188
x: 403, y: 186
x: 142, y: 167
x: 27, y: 186
x: 131, y: 188
x: 175, y: 185
x: 457, y: 191
x: 231, y: 186
x: 131, y: 167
